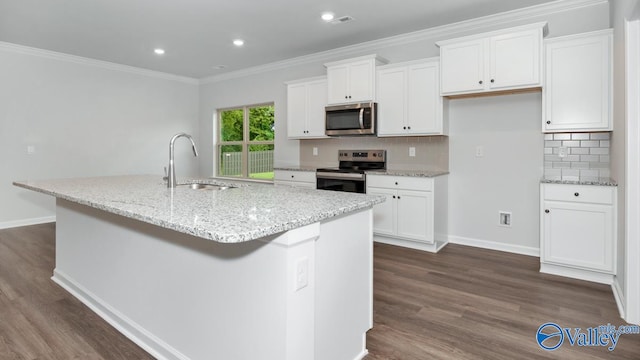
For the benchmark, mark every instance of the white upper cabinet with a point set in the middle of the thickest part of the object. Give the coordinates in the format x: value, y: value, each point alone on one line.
x: 352, y: 80
x: 409, y: 101
x: 508, y: 59
x: 578, y: 83
x: 306, y: 100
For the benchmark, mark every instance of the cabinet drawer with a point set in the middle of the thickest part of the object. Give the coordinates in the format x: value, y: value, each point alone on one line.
x: 579, y: 193
x: 301, y: 176
x: 400, y: 182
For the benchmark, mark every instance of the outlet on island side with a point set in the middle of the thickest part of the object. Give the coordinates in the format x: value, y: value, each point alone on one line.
x: 302, y: 273
x: 412, y: 151
x: 315, y: 151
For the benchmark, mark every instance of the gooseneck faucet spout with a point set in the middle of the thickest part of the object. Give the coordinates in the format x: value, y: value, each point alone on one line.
x: 171, y: 176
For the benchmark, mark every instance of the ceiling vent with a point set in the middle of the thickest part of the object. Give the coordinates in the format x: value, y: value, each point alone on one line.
x: 342, y: 20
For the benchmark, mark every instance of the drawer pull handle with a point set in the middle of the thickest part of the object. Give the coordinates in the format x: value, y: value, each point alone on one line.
x: 576, y: 194
x: 546, y: 211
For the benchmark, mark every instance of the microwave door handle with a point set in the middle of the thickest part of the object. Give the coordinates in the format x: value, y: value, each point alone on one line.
x: 361, y: 118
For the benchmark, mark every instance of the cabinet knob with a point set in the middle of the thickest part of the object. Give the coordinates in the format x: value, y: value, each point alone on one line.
x: 548, y: 122
x: 398, y: 197
x: 492, y: 81
x: 576, y: 194
x: 480, y: 82
x: 409, y: 127
x: 404, y: 128
x: 546, y: 211
x: 396, y: 183
x: 346, y: 97
x: 349, y: 96
x: 292, y: 176
x: 394, y: 196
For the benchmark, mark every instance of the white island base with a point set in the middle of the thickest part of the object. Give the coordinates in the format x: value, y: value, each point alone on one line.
x: 305, y: 294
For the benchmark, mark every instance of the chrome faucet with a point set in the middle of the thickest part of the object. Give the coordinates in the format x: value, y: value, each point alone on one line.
x: 171, y: 176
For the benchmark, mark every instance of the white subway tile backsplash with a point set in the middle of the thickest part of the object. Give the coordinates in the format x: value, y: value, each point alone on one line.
x: 580, y: 136
x: 571, y: 143
x: 590, y: 158
x: 589, y: 143
x: 579, y: 151
x: 561, y: 136
x: 587, y: 156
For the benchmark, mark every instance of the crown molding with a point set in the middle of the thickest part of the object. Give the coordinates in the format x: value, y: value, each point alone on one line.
x: 26, y: 50
x: 441, y: 32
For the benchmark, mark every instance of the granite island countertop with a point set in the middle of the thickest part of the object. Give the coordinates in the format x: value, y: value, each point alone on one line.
x: 244, y: 213
x: 409, y: 173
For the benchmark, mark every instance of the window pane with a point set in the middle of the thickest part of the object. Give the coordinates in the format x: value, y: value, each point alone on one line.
x: 261, y: 162
x: 231, y: 128
x: 230, y: 160
x: 261, y: 123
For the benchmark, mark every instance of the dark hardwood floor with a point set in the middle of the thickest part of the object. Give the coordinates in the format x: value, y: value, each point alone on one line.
x: 463, y: 303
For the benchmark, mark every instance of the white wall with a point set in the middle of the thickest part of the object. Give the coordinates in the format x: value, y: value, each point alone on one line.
x: 506, y: 178
x: 83, y: 120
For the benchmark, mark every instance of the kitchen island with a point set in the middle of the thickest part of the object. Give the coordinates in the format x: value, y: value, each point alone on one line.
x: 255, y: 271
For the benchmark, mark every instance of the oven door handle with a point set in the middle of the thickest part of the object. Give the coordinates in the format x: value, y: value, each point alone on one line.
x: 340, y: 176
x: 361, y: 118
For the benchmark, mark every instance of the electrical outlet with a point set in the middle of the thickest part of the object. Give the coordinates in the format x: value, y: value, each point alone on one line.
x: 315, y: 151
x: 412, y: 151
x: 479, y: 151
x: 31, y: 149
x: 504, y: 218
x: 562, y: 151
x: 302, y: 273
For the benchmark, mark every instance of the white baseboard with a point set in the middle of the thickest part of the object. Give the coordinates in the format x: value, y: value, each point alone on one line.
x: 587, y: 275
x: 618, y: 294
x: 134, y: 332
x: 27, y: 222
x: 492, y: 245
x: 416, y: 245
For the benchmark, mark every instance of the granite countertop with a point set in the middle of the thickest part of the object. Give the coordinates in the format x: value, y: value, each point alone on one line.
x: 600, y: 181
x: 411, y: 173
x: 296, y: 168
x: 240, y: 214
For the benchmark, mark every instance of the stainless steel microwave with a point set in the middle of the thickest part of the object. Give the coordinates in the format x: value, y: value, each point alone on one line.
x: 351, y: 119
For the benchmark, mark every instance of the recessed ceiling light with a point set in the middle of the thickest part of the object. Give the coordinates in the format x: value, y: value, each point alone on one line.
x: 327, y: 16
x: 159, y: 51
x: 238, y: 42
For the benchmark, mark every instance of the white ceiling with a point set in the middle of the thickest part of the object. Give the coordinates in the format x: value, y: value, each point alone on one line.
x: 197, y: 34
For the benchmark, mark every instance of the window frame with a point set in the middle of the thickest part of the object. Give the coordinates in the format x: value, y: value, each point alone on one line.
x: 245, y: 143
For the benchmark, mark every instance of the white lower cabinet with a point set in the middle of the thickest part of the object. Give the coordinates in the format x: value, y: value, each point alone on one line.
x: 578, y: 232
x: 298, y: 178
x: 412, y: 215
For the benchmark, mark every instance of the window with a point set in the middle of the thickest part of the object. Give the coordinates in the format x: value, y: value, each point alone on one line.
x: 245, y: 142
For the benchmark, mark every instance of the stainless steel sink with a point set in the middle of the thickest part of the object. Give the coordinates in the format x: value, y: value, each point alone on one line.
x: 199, y: 186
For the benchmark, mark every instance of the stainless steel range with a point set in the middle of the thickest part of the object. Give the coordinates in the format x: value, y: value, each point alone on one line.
x: 350, y: 174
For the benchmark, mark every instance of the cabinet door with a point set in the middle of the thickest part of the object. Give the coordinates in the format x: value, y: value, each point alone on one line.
x: 391, y: 101
x: 384, y: 213
x: 462, y: 67
x: 424, y: 103
x: 415, y: 215
x: 316, y: 101
x: 361, y: 81
x: 337, y: 78
x: 577, y: 93
x: 515, y: 60
x: 578, y: 235
x: 296, y: 110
